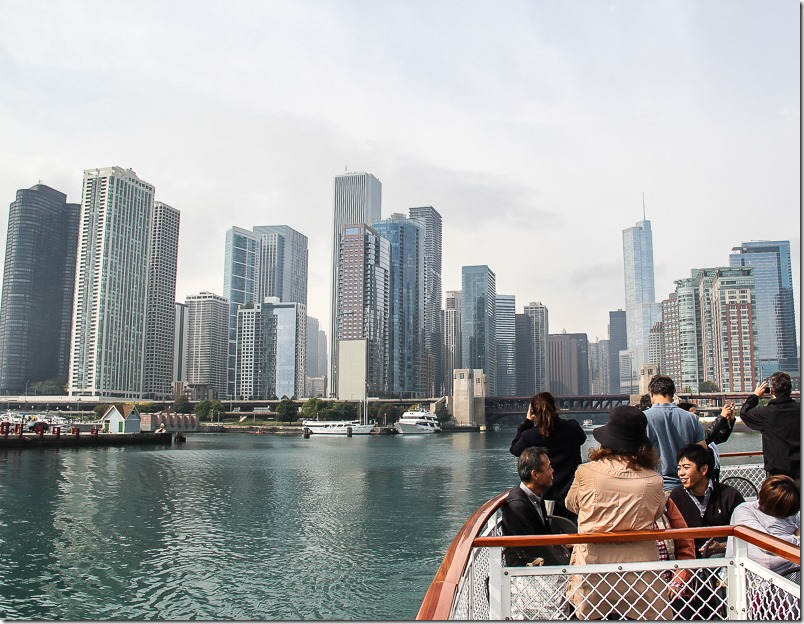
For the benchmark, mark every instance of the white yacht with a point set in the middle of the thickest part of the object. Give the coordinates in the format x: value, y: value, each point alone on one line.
x: 336, y: 427
x: 417, y: 422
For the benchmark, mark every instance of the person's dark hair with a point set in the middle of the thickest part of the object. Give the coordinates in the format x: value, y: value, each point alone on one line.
x: 645, y: 457
x: 780, y: 384
x: 529, y: 460
x: 644, y: 402
x: 662, y: 385
x: 543, y: 406
x: 699, y: 456
x: 686, y: 405
x: 779, y: 497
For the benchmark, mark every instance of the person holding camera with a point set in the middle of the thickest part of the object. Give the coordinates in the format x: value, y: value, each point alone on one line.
x: 779, y: 422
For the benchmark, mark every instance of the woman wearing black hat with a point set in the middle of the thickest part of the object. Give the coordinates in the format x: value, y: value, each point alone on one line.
x: 618, y: 490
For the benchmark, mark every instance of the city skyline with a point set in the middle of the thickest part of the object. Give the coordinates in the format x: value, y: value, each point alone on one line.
x: 534, y: 142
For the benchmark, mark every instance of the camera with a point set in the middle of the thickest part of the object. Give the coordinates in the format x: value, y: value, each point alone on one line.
x: 767, y: 389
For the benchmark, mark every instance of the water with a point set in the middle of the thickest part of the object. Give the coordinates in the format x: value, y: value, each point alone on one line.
x: 242, y: 527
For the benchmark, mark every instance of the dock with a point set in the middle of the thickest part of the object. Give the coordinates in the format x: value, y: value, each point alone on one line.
x: 72, y: 440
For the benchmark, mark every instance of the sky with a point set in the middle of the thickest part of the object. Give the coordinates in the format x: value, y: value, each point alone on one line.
x: 533, y: 127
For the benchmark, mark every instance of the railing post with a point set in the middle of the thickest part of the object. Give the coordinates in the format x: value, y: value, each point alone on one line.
x: 738, y: 600
x: 499, y: 587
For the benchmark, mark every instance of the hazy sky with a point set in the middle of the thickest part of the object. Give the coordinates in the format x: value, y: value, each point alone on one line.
x: 533, y: 127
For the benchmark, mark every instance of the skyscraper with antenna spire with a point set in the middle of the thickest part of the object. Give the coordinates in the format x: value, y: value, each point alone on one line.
x: 641, y: 309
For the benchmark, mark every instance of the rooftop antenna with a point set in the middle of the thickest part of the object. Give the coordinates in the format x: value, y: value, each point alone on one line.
x: 346, y: 168
x: 643, y: 206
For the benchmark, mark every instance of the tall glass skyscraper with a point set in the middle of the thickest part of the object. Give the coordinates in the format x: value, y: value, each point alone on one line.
x: 540, y: 328
x: 111, y: 285
x: 452, y: 337
x: 433, y: 327
x: 641, y: 309
x: 775, y: 315
x: 618, y: 341
x: 38, y: 281
x: 267, y: 261
x: 406, y: 360
x: 207, y: 341
x: 356, y: 198
x: 478, y: 299
x: 505, y: 331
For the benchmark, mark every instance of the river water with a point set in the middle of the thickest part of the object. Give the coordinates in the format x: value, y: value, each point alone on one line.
x: 242, y: 527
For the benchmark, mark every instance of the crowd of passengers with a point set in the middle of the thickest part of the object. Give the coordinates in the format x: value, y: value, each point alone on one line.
x: 656, y: 467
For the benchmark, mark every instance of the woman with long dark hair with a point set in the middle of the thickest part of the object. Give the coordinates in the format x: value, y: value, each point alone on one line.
x: 563, y: 439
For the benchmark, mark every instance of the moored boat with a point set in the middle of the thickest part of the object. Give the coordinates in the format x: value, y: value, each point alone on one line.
x: 417, y: 421
x: 336, y: 427
x: 473, y: 583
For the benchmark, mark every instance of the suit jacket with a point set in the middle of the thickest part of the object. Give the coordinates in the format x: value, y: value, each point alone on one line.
x: 519, y: 517
x: 564, y: 450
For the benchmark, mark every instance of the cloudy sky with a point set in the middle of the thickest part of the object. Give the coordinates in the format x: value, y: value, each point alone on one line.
x: 533, y: 127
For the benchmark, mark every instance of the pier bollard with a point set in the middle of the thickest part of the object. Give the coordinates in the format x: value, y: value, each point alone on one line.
x: 17, y: 428
x: 75, y: 431
x: 57, y: 432
x: 40, y: 431
x: 306, y: 433
x: 348, y: 432
x: 94, y: 431
x: 4, y: 428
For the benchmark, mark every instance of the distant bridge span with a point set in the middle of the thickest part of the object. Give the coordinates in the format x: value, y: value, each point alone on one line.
x: 498, y: 408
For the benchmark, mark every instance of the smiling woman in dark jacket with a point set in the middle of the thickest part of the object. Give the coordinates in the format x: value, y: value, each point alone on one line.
x: 563, y: 439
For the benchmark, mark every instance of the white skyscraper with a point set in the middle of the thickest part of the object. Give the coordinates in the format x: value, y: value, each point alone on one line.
x: 112, y: 276
x: 160, y: 315
x: 207, y: 341
x: 641, y: 309
x: 356, y: 199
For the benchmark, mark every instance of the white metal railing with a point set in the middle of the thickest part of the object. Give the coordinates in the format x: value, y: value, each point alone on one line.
x: 734, y: 588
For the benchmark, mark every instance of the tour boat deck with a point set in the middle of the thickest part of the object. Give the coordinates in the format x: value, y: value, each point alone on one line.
x: 473, y: 584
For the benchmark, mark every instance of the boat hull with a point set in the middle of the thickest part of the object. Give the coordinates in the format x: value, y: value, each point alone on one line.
x: 415, y: 422
x: 412, y: 429
x: 345, y: 428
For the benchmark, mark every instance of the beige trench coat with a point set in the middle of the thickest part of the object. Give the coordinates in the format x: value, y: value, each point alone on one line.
x: 608, y: 496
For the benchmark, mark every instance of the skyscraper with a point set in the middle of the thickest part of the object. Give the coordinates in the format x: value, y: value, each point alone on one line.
x: 37, y: 296
x: 433, y: 328
x: 641, y: 308
x: 207, y: 342
x: 505, y: 331
x: 270, y: 358
x: 160, y: 316
x: 356, y: 199
x: 180, y: 343
x: 775, y: 315
x: 268, y: 261
x: 478, y: 297
x: 734, y: 348
x: 111, y: 286
x: 406, y: 358
x: 568, y: 357
x: 618, y: 341
x: 540, y: 328
x: 364, y: 302
x: 452, y: 337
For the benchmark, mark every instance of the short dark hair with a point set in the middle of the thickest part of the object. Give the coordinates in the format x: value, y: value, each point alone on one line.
x: 779, y: 496
x: 644, y: 402
x: 529, y: 460
x: 686, y: 405
x: 662, y: 385
x: 780, y: 384
x: 699, y: 456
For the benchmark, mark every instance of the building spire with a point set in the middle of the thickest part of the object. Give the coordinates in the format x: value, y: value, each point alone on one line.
x: 643, y: 207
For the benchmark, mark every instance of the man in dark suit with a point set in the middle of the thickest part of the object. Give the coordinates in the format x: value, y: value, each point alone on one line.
x: 524, y: 512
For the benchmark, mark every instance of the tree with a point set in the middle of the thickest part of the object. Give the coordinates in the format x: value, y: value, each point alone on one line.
x: 287, y: 410
x: 182, y: 405
x: 708, y: 386
x: 216, y: 409
x: 202, y: 409
x: 312, y: 407
x: 441, y: 413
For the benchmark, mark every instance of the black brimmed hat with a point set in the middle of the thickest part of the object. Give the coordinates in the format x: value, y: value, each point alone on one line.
x: 626, y: 430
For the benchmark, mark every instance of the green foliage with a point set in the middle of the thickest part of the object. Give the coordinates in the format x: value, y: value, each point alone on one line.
x: 182, y: 405
x: 385, y: 414
x: 441, y: 412
x: 708, y: 386
x: 100, y: 409
x: 149, y: 408
x: 287, y: 410
x: 209, y: 410
x: 49, y: 387
x: 313, y: 407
